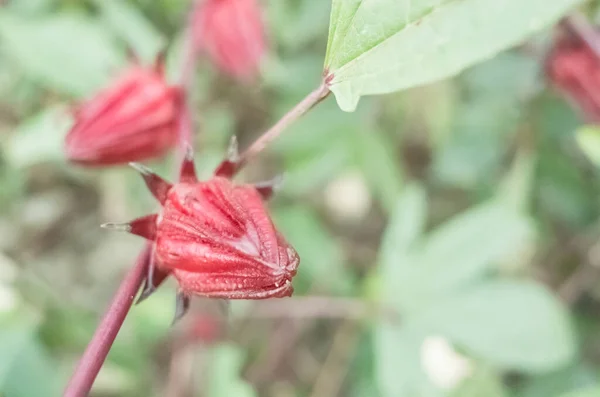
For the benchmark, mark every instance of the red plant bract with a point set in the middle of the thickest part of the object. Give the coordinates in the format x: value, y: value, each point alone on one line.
x: 215, y: 237
x: 232, y: 34
x: 574, y: 70
x: 133, y: 120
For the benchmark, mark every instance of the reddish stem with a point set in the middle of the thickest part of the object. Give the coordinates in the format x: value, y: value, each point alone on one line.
x: 289, y: 118
x: 97, y: 350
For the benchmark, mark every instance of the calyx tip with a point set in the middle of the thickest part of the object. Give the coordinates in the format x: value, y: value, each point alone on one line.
x: 122, y: 227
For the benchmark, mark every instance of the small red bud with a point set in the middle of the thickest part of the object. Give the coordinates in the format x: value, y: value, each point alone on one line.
x: 133, y: 120
x: 574, y: 70
x: 232, y: 34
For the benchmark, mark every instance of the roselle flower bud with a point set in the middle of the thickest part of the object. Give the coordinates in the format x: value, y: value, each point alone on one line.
x: 574, y: 70
x: 231, y: 32
x: 215, y: 237
x: 133, y: 120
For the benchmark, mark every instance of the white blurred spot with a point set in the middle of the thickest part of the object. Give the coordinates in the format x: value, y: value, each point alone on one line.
x: 348, y: 196
x: 443, y: 365
x: 8, y: 298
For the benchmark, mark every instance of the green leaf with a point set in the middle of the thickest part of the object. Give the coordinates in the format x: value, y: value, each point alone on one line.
x: 67, y: 52
x: 132, y: 27
x: 225, y: 368
x: 25, y: 368
x: 588, y: 139
x: 397, y: 357
x: 381, y: 46
x: 589, y: 392
x: 405, y: 226
x: 556, y: 383
x: 378, y: 162
x: 484, y: 382
x: 514, y: 325
x: 466, y: 246
x: 516, y: 188
x: 39, y: 139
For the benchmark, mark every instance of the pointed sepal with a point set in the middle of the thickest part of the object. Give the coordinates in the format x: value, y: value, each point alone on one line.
x: 188, y: 169
x: 144, y: 227
x: 182, y: 305
x: 267, y: 189
x: 230, y: 165
x: 157, y: 186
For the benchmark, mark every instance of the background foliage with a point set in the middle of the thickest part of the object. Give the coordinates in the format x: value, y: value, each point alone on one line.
x: 467, y: 207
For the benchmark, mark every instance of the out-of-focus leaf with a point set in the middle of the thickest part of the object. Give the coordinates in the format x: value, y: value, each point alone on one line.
x: 401, y: 235
x: 493, y: 103
x: 588, y: 138
x: 563, y: 190
x: 225, y: 368
x: 39, y: 139
x: 397, y: 359
x: 467, y: 245
x: 589, y: 392
x: 307, y: 172
x: 381, y: 46
x: 514, y: 325
x: 556, y: 383
x: 133, y: 27
x: 378, y: 162
x: 25, y: 368
x: 516, y: 188
x: 67, y: 52
x: 484, y: 382
x: 321, y: 257
x: 293, y: 75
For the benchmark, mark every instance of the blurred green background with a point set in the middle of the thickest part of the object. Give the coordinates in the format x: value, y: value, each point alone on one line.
x: 449, y: 234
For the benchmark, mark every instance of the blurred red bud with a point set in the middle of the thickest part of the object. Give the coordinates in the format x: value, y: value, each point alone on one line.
x: 574, y: 69
x: 205, y: 328
x: 132, y: 120
x: 231, y: 32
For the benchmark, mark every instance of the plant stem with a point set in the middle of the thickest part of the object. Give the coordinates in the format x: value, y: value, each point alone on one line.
x: 289, y: 118
x: 106, y: 332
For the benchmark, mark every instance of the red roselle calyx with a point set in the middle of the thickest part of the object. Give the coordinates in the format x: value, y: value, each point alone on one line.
x: 215, y: 237
x: 134, y: 119
x: 574, y: 69
x: 231, y: 32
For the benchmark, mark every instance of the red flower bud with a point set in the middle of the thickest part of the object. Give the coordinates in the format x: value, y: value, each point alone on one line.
x: 215, y: 237
x: 232, y: 34
x: 574, y: 70
x: 133, y: 120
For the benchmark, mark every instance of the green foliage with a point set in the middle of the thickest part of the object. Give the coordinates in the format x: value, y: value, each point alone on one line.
x: 513, y: 325
x: 379, y: 47
x: 132, y: 27
x: 225, y: 369
x: 590, y: 392
x: 25, y: 367
x: 40, y: 48
x: 588, y: 138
